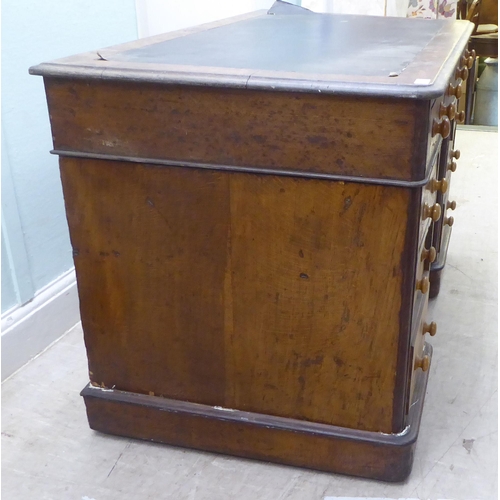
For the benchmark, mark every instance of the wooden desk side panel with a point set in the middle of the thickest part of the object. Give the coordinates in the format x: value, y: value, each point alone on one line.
x: 269, y: 294
x: 343, y: 135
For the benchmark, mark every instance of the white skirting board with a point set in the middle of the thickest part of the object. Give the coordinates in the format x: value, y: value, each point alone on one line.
x: 31, y: 328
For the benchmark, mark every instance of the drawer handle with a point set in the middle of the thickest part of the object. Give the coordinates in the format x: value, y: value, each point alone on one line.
x: 454, y: 90
x: 423, y: 285
x: 468, y: 60
x: 436, y: 185
x: 433, y: 212
x: 455, y: 154
x: 452, y: 166
x: 460, y: 117
x: 450, y: 111
x: 449, y: 221
x: 461, y: 73
x: 429, y: 254
x: 470, y: 56
x: 442, y: 127
x: 451, y: 205
x: 431, y: 329
x: 422, y: 363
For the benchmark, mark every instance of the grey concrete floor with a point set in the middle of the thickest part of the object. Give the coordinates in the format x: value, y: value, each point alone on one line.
x: 48, y: 451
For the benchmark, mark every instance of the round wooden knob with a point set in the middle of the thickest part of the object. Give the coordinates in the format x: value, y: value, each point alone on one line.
x: 449, y: 221
x: 455, y: 154
x: 461, y: 72
x: 448, y: 111
x: 423, y: 285
x: 470, y: 57
x: 455, y: 90
x: 429, y: 254
x: 452, y: 166
x: 442, y: 127
x: 431, y: 329
x: 461, y: 117
x: 433, y: 212
x: 451, y: 205
x: 436, y: 185
x: 423, y: 363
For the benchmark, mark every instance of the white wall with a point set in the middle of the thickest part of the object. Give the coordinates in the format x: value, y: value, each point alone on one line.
x: 34, y: 231
x: 39, y: 300
x: 160, y: 16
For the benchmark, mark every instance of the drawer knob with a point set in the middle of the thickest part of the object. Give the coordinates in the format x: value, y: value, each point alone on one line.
x: 455, y: 90
x: 449, y: 221
x: 451, y: 205
x: 455, y: 154
x: 461, y: 72
x: 442, y: 127
x: 423, y: 285
x: 436, y: 185
x: 452, y: 166
x: 423, y: 363
x: 470, y: 56
x: 433, y: 212
x: 431, y: 329
x: 461, y: 117
x: 449, y: 111
x: 429, y: 254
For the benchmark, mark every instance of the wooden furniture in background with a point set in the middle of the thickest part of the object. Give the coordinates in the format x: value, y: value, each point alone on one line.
x: 483, y: 42
x: 252, y: 214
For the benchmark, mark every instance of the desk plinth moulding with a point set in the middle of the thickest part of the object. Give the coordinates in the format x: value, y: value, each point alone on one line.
x: 251, y: 206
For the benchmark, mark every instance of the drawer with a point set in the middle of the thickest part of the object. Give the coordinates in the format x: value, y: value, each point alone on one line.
x: 426, y: 255
x: 420, y: 327
x: 444, y: 110
x: 430, y: 210
x: 447, y: 204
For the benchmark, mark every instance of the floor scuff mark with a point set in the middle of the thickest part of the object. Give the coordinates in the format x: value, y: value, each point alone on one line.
x: 468, y: 444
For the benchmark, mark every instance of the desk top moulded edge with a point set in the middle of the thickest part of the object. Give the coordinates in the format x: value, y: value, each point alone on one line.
x: 434, y: 65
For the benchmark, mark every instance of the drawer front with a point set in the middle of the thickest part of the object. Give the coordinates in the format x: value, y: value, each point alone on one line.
x: 447, y: 204
x: 418, y: 360
x: 429, y: 211
x: 427, y: 254
x: 444, y: 112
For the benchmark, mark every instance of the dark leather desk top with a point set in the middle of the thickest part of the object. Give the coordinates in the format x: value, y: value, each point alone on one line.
x: 327, y: 44
x: 304, y: 52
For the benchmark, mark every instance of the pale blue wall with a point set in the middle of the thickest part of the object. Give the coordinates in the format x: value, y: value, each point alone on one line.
x: 35, y: 243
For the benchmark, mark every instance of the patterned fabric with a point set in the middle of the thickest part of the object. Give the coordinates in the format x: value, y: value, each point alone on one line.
x: 433, y: 9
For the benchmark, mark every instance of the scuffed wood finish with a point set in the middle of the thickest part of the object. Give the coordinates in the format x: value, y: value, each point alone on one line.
x: 147, y: 250
x: 283, y: 440
x: 251, y: 240
x: 268, y: 294
x: 313, y: 299
x: 349, y: 136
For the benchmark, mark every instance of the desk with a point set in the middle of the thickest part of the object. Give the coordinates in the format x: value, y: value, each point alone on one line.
x: 253, y: 208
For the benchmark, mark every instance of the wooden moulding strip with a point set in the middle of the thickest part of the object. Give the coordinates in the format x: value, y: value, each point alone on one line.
x: 254, y: 170
x: 288, y: 441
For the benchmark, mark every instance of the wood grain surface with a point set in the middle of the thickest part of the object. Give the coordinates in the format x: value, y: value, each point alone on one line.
x: 286, y: 441
x: 349, y: 136
x: 271, y: 294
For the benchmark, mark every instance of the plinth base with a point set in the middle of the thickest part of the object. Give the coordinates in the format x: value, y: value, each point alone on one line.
x: 386, y: 457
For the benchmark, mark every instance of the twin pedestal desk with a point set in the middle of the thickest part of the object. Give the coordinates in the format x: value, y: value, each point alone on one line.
x: 258, y: 210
